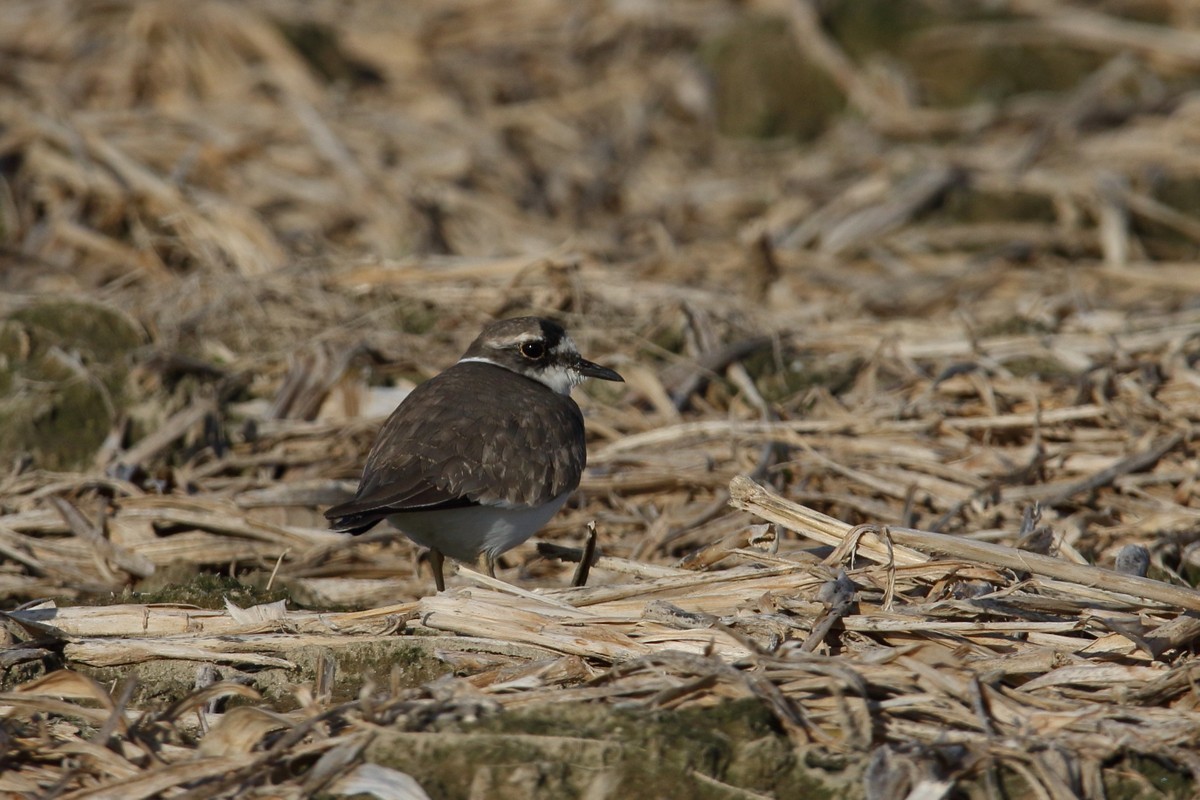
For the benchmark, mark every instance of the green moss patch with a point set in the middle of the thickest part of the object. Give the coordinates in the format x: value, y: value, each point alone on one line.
x: 573, y: 750
x: 63, y: 370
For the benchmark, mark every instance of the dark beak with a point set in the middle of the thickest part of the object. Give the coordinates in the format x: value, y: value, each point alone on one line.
x: 592, y: 370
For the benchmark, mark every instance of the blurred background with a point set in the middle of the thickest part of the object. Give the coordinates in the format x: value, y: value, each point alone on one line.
x: 234, y: 234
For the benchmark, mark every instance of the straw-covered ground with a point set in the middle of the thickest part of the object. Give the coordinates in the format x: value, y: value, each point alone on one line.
x: 900, y: 497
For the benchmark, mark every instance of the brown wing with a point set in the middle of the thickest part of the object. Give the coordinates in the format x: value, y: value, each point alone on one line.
x: 494, y: 449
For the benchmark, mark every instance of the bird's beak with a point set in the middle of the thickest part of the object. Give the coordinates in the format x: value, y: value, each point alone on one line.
x: 592, y: 370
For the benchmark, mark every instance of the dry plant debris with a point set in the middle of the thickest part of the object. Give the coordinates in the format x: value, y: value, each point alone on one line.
x: 905, y: 460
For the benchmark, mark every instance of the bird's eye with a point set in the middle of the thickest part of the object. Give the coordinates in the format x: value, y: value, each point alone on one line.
x: 533, y: 350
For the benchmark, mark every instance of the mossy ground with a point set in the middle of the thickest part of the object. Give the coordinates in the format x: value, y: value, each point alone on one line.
x: 63, y: 369
x: 574, y: 750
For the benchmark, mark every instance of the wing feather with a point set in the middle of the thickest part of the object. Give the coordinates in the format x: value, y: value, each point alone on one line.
x: 494, y: 449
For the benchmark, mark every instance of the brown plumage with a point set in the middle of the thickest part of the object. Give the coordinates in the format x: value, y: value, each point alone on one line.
x: 479, y: 457
x: 425, y: 458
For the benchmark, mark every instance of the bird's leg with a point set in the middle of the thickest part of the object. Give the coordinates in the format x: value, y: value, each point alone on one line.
x: 435, y: 563
x: 489, y: 561
x: 589, y: 555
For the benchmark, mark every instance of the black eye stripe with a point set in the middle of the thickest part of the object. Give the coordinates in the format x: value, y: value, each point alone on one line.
x: 552, y: 333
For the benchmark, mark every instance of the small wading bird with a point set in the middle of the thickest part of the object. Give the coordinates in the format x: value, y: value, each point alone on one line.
x: 478, y: 458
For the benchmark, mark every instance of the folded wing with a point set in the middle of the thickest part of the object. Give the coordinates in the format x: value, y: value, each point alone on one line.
x: 504, y: 452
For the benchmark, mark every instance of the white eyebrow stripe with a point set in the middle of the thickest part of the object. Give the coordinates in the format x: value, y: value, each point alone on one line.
x: 565, y: 345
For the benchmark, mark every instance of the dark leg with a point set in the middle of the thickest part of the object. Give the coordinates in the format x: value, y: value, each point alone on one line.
x: 435, y: 563
x: 589, y: 555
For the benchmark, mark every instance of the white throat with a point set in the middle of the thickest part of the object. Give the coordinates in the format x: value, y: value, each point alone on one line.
x: 556, y: 378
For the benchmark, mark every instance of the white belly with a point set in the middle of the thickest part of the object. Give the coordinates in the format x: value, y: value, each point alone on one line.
x: 465, y: 533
